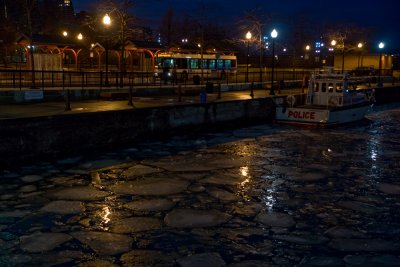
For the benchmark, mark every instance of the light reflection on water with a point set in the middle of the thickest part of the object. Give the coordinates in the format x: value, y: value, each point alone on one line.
x: 269, y: 199
x: 373, y: 145
x: 244, y: 171
x: 245, y: 186
x: 327, y: 154
x: 104, y: 216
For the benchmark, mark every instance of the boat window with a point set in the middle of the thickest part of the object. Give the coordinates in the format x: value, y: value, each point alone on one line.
x: 339, y: 87
x: 323, y: 87
x: 316, y: 87
x: 330, y: 87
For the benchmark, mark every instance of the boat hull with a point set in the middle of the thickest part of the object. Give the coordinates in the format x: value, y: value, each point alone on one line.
x: 321, y: 117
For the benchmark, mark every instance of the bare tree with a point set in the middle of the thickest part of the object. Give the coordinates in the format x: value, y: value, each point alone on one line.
x: 119, y: 10
x: 7, y: 33
x: 29, y: 6
x: 167, y: 27
x: 344, y: 38
x: 255, y: 21
x: 121, y: 25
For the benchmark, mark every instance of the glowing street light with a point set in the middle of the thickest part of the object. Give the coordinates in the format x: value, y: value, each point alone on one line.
x: 79, y: 36
x: 65, y: 33
x: 360, y: 46
x: 381, y: 46
x: 107, y: 23
x: 106, y: 20
x: 248, y: 37
x: 274, y: 34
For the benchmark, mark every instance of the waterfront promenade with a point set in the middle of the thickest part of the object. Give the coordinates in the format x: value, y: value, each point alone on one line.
x: 53, y: 108
x: 141, y: 98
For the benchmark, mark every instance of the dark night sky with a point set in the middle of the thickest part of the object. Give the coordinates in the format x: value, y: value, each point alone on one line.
x: 382, y: 15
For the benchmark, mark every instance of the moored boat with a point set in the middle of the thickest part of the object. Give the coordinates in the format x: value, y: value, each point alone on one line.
x: 331, y: 99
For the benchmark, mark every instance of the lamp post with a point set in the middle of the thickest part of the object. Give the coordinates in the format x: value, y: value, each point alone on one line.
x: 381, y: 46
x: 360, y: 46
x: 64, y: 59
x: 107, y: 23
x: 307, y: 56
x: 341, y: 46
x: 248, y: 37
x: 274, y: 34
x: 334, y: 43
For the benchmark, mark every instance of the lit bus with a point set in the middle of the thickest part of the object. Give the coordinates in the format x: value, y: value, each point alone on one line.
x: 216, y: 66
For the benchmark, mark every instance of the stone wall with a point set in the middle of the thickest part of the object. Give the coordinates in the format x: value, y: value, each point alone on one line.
x: 22, y: 140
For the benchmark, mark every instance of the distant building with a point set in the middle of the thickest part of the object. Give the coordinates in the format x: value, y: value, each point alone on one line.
x: 353, y: 61
x: 47, y: 16
x: 67, y: 10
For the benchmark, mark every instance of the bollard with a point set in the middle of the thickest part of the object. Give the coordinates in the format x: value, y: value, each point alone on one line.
x: 179, y: 93
x: 219, y: 91
x: 252, y: 90
x: 67, y: 101
x: 203, y: 97
x: 130, y: 97
x: 281, y: 85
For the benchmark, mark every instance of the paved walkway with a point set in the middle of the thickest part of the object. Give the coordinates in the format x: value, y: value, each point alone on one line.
x: 38, y: 109
x: 13, y: 111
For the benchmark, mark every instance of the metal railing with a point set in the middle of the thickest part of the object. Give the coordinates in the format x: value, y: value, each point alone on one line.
x: 22, y: 79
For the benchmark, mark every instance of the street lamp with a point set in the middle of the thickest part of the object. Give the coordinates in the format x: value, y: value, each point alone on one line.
x: 107, y: 23
x: 306, y: 62
x: 381, y: 46
x: 360, y: 46
x: 248, y: 37
x: 341, y: 46
x: 274, y: 34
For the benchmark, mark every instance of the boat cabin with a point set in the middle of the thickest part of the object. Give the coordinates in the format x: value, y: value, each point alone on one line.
x: 334, y: 90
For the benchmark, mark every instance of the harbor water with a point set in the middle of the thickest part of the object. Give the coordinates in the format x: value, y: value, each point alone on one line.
x: 269, y: 195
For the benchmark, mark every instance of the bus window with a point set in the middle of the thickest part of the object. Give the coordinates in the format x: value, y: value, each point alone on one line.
x: 205, y: 66
x: 160, y: 62
x: 220, y: 63
x: 181, y: 63
x: 211, y: 64
x: 167, y: 62
x: 194, y: 63
x: 228, y: 63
